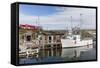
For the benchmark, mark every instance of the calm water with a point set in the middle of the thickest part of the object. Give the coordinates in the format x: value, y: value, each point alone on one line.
x: 61, y: 54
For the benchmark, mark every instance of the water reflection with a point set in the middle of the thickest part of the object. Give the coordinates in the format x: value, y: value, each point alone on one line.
x: 61, y: 54
x: 50, y: 52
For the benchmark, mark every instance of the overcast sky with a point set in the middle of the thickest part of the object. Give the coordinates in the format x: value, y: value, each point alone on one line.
x: 55, y: 18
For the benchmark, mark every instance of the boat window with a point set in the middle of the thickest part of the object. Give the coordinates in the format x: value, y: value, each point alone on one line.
x: 74, y: 38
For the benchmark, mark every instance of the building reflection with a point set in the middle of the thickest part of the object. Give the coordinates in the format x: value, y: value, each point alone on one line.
x: 49, y: 52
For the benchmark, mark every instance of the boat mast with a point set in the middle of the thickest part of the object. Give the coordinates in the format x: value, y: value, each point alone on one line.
x: 80, y: 25
x: 71, y: 26
x: 66, y: 27
x: 71, y: 23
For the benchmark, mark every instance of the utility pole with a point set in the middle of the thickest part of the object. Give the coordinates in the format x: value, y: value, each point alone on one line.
x: 38, y: 20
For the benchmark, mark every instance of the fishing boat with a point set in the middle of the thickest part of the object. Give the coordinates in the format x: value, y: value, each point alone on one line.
x: 74, y: 38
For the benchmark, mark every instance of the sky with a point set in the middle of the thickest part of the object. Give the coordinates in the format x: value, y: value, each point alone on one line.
x: 57, y: 18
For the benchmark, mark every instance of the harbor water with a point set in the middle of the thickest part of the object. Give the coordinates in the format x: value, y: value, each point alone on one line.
x: 49, y: 55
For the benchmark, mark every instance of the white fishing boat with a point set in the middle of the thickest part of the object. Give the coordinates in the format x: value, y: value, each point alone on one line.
x: 74, y: 38
x: 75, y: 41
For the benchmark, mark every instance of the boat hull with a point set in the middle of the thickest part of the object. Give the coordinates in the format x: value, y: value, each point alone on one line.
x: 73, y: 43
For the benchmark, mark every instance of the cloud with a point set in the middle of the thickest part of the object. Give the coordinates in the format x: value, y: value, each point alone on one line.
x: 62, y: 18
